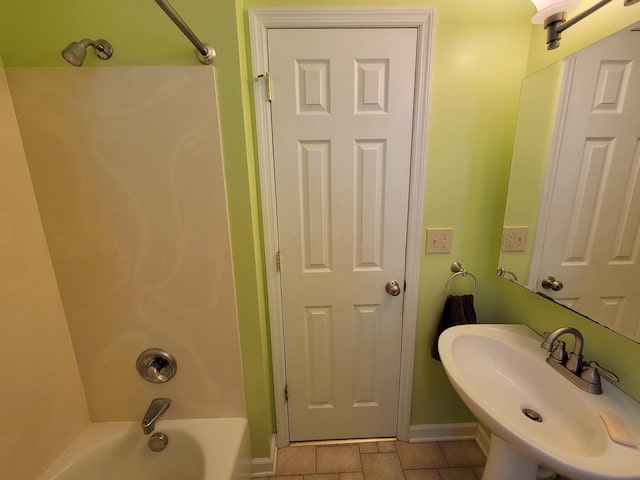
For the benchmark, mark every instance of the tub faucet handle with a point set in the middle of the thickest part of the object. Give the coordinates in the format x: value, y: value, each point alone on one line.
x: 156, y: 365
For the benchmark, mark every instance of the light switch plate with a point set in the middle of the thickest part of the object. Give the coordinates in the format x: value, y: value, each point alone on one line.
x: 439, y: 240
x: 514, y: 239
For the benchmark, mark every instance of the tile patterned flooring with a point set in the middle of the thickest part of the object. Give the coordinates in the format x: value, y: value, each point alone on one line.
x: 386, y: 460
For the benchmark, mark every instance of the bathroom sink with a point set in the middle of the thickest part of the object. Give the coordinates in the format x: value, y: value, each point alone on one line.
x: 536, y: 416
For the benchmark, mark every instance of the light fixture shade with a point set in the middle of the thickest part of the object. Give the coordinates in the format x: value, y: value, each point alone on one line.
x: 547, y: 8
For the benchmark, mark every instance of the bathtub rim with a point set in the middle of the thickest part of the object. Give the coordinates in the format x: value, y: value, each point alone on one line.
x: 224, y: 442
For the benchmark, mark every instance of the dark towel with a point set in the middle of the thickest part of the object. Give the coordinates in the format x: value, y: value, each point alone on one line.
x: 458, y: 310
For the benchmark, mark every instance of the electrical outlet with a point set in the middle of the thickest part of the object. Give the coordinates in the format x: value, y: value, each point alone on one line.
x: 514, y: 239
x: 439, y: 240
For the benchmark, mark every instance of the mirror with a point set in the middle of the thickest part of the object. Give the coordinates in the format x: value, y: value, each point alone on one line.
x: 572, y: 219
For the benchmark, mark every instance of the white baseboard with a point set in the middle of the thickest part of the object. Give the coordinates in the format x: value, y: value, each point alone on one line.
x: 266, y: 467
x: 442, y: 432
x: 483, y: 437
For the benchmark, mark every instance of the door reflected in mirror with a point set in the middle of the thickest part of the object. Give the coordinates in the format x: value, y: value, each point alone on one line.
x: 572, y: 219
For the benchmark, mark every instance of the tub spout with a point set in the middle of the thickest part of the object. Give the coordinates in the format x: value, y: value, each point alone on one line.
x: 154, y: 412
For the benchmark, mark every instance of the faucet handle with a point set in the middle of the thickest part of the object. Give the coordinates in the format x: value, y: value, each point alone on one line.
x: 594, y: 371
x: 156, y: 365
x: 559, y: 353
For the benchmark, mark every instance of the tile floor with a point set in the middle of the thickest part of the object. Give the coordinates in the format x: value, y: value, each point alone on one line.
x: 388, y: 460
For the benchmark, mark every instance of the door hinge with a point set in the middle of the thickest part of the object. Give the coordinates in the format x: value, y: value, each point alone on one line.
x: 286, y: 393
x: 267, y: 79
x: 278, y: 261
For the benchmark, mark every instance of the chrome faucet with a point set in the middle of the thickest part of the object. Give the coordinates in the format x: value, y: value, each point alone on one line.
x: 157, y: 407
x: 584, y: 375
x: 572, y: 362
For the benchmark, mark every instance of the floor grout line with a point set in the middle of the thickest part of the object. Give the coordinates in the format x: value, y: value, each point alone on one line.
x: 468, y: 468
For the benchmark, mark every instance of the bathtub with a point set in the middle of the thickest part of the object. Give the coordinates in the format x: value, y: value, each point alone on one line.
x: 201, y: 449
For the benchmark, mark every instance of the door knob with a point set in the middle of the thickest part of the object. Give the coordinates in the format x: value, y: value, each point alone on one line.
x: 551, y: 283
x: 393, y: 288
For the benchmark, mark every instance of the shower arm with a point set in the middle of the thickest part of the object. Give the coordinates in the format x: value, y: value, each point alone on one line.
x: 205, y: 52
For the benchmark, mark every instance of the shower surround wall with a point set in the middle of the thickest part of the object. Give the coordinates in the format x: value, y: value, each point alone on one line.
x: 127, y: 168
x: 41, y: 398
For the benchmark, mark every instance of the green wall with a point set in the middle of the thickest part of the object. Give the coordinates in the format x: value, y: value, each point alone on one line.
x: 481, y: 51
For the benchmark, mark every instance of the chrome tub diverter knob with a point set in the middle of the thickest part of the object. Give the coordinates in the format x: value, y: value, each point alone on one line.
x: 156, y: 365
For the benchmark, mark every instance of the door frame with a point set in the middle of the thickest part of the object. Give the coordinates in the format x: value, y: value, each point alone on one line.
x: 260, y: 21
x: 568, y: 67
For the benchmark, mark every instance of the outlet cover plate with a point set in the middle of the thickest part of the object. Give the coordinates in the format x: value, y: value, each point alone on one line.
x: 439, y: 240
x: 514, y: 239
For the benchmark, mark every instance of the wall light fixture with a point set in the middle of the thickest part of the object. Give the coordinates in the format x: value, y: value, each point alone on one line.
x: 553, y: 13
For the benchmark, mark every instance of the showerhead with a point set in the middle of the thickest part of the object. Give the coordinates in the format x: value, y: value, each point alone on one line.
x: 75, y: 52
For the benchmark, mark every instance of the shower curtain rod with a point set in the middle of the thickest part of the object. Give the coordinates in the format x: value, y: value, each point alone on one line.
x: 205, y: 52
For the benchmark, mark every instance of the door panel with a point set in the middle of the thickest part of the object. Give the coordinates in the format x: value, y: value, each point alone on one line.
x: 342, y: 115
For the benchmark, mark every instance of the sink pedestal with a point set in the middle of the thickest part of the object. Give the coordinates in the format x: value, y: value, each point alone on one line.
x: 506, y: 463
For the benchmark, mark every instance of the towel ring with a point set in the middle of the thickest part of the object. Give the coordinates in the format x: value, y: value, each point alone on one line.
x: 457, y: 268
x: 506, y: 274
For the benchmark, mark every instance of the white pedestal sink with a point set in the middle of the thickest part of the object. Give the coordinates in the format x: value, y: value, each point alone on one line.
x: 500, y: 372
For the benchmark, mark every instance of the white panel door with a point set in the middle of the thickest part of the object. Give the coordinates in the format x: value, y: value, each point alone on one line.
x: 592, y: 247
x: 342, y: 114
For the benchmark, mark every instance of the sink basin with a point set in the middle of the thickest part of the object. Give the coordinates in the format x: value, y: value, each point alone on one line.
x: 500, y: 372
